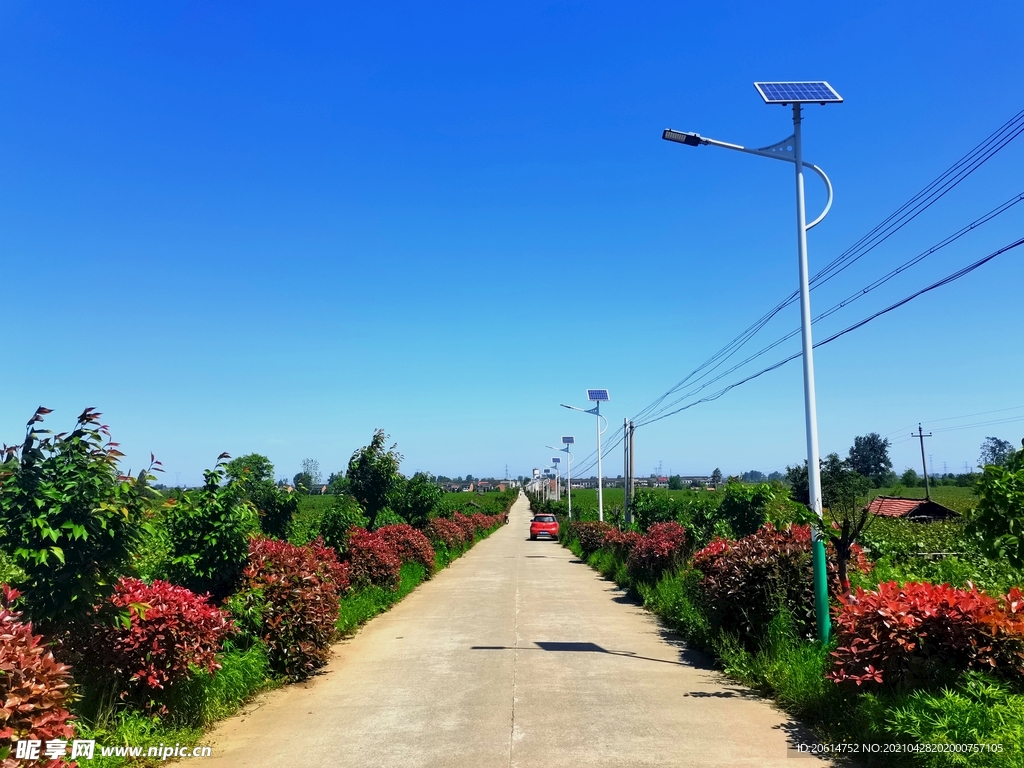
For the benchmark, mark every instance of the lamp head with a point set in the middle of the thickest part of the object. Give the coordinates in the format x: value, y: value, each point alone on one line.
x: 682, y: 137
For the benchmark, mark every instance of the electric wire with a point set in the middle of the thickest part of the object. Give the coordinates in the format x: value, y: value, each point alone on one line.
x: 861, y: 323
x: 948, y: 180
x: 850, y: 299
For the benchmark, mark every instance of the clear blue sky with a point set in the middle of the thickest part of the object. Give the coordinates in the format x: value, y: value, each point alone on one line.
x: 274, y: 227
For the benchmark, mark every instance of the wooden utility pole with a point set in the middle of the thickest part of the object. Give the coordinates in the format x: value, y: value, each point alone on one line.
x: 921, y: 436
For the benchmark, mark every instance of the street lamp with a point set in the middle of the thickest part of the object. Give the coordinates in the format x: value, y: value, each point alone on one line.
x: 558, y: 477
x: 567, y: 440
x: 597, y: 396
x: 791, y: 150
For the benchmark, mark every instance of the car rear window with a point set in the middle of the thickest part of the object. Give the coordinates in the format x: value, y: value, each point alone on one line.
x: 544, y: 519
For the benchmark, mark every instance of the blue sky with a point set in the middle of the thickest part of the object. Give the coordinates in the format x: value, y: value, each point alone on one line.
x: 274, y: 227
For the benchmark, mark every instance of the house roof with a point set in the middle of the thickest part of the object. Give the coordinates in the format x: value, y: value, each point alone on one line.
x: 895, y: 506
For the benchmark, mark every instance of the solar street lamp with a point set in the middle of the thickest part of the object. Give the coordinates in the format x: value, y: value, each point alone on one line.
x: 597, y: 396
x: 791, y: 150
x: 567, y: 440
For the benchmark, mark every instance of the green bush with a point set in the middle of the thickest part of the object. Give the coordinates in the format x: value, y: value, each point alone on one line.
x: 339, y: 518
x: 276, y: 507
x: 998, y: 521
x: 747, y: 507
x: 68, y: 519
x: 387, y: 516
x: 209, y: 530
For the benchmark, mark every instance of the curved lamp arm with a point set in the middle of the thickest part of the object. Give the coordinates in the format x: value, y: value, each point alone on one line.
x: 782, y: 150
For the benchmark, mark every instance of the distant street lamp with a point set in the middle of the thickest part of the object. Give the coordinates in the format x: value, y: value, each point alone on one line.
x: 567, y: 440
x: 597, y: 396
x: 791, y: 151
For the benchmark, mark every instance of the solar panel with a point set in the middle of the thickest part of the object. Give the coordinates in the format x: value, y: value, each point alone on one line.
x: 568, y: 440
x: 597, y: 395
x: 555, y: 460
x: 798, y: 93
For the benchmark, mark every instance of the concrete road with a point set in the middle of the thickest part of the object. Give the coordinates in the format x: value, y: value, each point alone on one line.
x: 516, y: 655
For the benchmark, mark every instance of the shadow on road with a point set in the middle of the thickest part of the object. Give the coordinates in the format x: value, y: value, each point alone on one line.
x: 576, y: 647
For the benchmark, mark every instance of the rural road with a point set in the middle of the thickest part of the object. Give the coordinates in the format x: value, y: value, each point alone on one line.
x: 516, y: 655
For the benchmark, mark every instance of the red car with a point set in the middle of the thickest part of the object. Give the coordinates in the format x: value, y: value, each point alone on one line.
x: 543, y: 525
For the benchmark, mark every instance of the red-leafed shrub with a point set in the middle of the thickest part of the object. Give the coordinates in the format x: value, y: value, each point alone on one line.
x: 411, y: 545
x: 925, y: 634
x: 466, y: 524
x: 298, y: 589
x: 621, y: 542
x: 746, y: 583
x: 661, y: 549
x: 373, y: 560
x: 33, y: 687
x: 590, y: 535
x: 480, y: 521
x: 706, y: 557
x: 441, y: 530
x: 169, y: 630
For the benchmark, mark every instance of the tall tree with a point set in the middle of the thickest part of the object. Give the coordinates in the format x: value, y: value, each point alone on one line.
x: 716, y: 477
x: 796, y: 479
x: 869, y: 457
x: 995, y: 452
x: 311, y: 468
x: 373, y: 475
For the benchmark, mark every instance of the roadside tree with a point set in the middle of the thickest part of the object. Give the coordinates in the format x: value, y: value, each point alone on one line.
x: 373, y: 475
x: 68, y: 518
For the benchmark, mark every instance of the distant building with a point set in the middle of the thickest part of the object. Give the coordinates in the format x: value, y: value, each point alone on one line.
x: 918, y: 510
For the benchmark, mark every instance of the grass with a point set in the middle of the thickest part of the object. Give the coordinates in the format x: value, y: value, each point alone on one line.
x: 360, y: 606
x: 196, y: 704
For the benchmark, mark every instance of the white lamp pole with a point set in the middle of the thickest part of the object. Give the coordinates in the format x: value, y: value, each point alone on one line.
x: 567, y: 440
x: 596, y: 396
x: 791, y: 150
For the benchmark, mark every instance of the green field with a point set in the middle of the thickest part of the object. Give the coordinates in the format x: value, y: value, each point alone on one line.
x: 961, y: 500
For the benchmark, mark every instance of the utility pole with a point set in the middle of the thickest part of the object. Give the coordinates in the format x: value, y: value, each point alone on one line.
x: 921, y: 436
x: 632, y: 469
x: 626, y: 516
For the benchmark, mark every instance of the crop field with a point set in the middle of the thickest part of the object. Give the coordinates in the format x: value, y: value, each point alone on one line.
x: 961, y: 500
x: 586, y: 498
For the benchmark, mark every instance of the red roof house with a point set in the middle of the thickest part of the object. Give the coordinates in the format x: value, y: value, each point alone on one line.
x: 919, y: 510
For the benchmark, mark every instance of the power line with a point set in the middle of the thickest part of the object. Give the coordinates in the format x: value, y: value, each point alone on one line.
x: 849, y: 300
x: 945, y: 281
x: 949, y: 179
